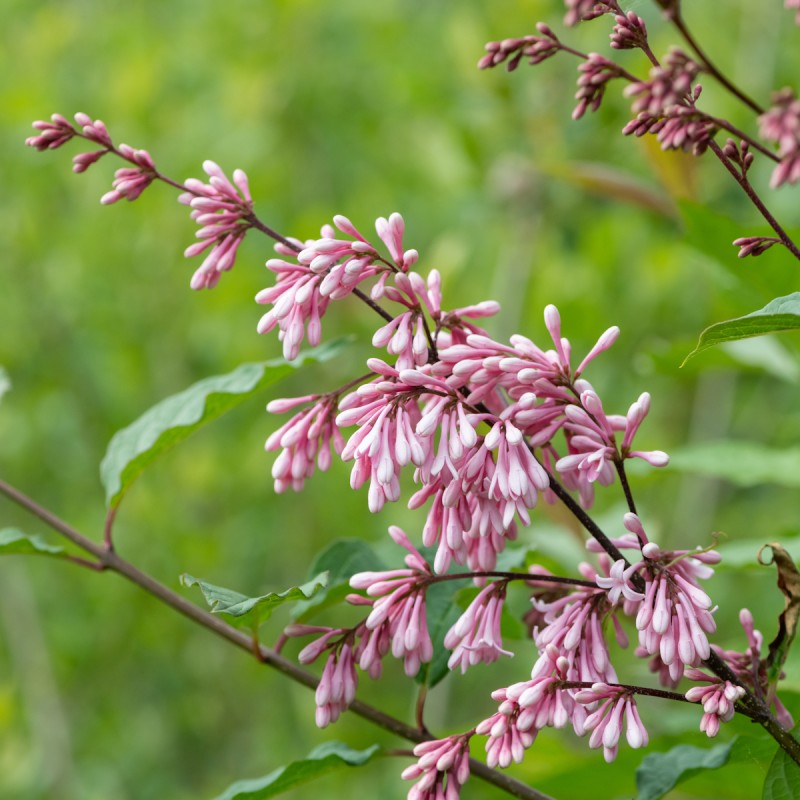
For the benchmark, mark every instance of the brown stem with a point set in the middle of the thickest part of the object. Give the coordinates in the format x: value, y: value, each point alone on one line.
x: 512, y: 576
x: 420, y: 709
x: 84, y: 562
x: 739, y: 134
x: 433, y: 353
x: 264, y: 228
x: 592, y: 527
x: 108, y: 526
x: 244, y: 640
x: 643, y: 690
x: 748, y: 189
x: 373, y: 305
x: 626, y: 487
x: 675, y: 17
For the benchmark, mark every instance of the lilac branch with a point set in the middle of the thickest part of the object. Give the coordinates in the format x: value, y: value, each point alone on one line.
x: 643, y: 690
x: 367, y: 300
x: 619, y: 465
x: 592, y: 527
x: 512, y: 576
x: 108, y: 559
x: 748, y: 189
x: 674, y: 15
x: 256, y: 223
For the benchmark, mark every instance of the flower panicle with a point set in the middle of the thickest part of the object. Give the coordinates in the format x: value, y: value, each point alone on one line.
x: 585, y: 10
x: 630, y: 32
x: 306, y: 441
x: 511, y: 51
x: 224, y: 211
x: 129, y: 182
x: 309, y: 275
x: 475, y: 637
x: 780, y: 124
x: 676, y: 615
x: 441, y: 770
x: 718, y: 699
x: 613, y: 706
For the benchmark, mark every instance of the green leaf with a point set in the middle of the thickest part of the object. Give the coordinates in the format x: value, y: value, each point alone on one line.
x: 783, y: 776
x: 660, y: 772
x: 320, y: 761
x: 753, y: 750
x: 512, y: 558
x: 442, y: 610
x: 172, y: 420
x: 781, y: 314
x: 741, y: 463
x: 341, y: 560
x: 250, y: 612
x: 15, y: 542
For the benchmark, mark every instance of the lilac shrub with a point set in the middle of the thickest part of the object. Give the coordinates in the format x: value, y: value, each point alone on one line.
x: 487, y: 430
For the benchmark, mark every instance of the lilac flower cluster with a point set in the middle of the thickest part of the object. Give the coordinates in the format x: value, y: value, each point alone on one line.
x: 442, y: 769
x: 426, y: 414
x: 396, y: 622
x: 665, y: 103
x: 781, y: 124
x: 511, y: 51
x: 129, y: 182
x: 223, y: 209
x: 485, y: 429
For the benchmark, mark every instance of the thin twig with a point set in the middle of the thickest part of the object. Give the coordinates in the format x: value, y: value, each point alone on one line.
x: 748, y: 189
x: 626, y: 487
x: 512, y: 576
x: 675, y: 17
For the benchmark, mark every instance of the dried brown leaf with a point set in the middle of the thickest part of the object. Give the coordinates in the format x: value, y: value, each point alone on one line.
x: 789, y: 584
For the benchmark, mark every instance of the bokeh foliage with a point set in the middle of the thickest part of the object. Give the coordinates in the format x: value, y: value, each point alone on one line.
x: 362, y: 109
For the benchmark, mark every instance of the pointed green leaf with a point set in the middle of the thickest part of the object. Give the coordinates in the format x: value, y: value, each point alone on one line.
x: 781, y: 314
x: 660, y: 772
x: 173, y: 419
x: 250, y: 612
x: 442, y: 611
x: 512, y: 558
x: 322, y: 760
x: 753, y: 750
x: 15, y: 542
x: 783, y: 776
x: 341, y: 560
x: 740, y: 463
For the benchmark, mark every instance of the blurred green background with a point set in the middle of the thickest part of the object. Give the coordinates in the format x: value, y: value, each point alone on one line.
x: 361, y: 109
